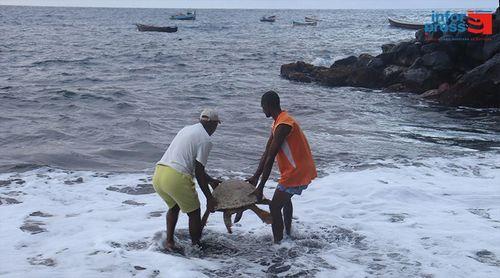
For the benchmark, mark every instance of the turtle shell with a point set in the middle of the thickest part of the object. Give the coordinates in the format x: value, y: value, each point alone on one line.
x: 232, y: 194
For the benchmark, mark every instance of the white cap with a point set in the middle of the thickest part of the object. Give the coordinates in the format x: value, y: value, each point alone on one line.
x: 209, y: 115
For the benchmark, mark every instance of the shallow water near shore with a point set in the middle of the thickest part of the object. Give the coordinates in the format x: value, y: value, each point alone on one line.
x: 435, y: 218
x: 407, y: 188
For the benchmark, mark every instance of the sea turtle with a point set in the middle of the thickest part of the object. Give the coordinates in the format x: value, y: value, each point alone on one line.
x: 234, y: 196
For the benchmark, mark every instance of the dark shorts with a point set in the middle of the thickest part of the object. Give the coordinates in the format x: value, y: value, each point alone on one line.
x: 297, y: 190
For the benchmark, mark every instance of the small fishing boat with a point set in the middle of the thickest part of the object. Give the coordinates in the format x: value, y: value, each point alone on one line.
x: 299, y: 23
x: 187, y: 16
x: 150, y: 28
x: 405, y: 24
x: 268, y: 18
x: 311, y: 19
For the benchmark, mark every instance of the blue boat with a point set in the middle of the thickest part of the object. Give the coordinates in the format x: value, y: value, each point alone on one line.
x: 187, y: 16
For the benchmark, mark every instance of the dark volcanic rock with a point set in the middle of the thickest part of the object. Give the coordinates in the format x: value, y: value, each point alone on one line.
x: 299, y: 71
x: 140, y: 189
x: 33, y: 227
x: 430, y: 47
x: 392, y: 74
x: 40, y: 214
x: 405, y: 53
x: 8, y: 201
x: 351, y: 60
x: 435, y: 93
x: 133, y: 203
x: 387, y: 47
x: 478, y: 88
x: 299, y: 77
x: 75, y: 181
x: 420, y: 35
x: 418, y: 66
x: 369, y: 77
x: 387, y: 58
x: 419, y: 80
x: 490, y: 48
x: 473, y: 53
x: 334, y: 77
x: 302, y: 67
x: 376, y: 63
x: 437, y: 60
x: 364, y: 60
x: 156, y: 213
x: 397, y: 87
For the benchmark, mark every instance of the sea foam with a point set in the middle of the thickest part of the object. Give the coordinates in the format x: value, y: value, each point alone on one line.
x: 436, y: 217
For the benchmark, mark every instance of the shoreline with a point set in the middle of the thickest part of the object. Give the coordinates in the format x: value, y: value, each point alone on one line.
x: 456, y: 69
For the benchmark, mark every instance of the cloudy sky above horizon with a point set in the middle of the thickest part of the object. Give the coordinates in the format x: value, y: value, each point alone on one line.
x: 265, y: 4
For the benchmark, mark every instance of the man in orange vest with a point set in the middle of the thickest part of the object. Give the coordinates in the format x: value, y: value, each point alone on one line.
x: 288, y: 145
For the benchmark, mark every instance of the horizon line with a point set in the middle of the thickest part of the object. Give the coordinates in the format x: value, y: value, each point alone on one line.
x: 242, y: 8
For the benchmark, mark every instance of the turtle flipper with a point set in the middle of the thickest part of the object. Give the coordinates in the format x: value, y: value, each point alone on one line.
x: 262, y: 214
x: 238, y: 216
x: 264, y: 201
x: 227, y: 221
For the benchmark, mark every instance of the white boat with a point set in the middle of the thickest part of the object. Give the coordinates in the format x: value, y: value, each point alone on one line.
x: 405, y: 24
x: 299, y: 23
x: 311, y: 19
x: 187, y: 16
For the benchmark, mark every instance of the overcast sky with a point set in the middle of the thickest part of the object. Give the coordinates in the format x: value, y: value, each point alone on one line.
x: 265, y: 4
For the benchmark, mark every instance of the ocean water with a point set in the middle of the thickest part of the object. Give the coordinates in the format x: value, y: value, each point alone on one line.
x: 407, y: 187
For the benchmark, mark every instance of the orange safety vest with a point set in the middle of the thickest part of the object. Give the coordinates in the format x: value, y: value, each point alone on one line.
x: 295, y: 160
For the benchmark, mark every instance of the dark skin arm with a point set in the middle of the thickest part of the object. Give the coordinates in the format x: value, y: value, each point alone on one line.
x: 255, y: 178
x: 202, y: 178
x: 213, y: 182
x: 279, y: 137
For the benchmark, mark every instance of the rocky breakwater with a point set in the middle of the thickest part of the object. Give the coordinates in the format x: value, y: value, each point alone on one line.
x: 455, y: 69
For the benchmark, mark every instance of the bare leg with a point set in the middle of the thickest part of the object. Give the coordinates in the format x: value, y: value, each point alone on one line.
x: 195, y: 226
x: 279, y: 200
x: 172, y: 216
x: 287, y: 216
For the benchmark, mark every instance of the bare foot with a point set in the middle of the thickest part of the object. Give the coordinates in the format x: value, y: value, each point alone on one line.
x: 171, y: 247
x: 196, y: 243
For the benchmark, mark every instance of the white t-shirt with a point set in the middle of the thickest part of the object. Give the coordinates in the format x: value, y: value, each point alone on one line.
x: 192, y: 143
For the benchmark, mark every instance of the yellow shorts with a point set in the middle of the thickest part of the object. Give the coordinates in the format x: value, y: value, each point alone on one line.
x: 176, y: 188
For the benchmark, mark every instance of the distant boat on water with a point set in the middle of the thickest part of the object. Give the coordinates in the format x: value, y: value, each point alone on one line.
x: 187, y: 16
x: 311, y: 19
x: 271, y: 18
x: 300, y: 23
x: 150, y: 28
x: 405, y: 24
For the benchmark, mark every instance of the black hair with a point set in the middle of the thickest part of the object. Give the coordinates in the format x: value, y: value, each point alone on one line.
x: 271, y: 99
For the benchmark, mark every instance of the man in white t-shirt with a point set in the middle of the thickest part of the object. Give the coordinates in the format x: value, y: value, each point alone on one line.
x: 186, y: 157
